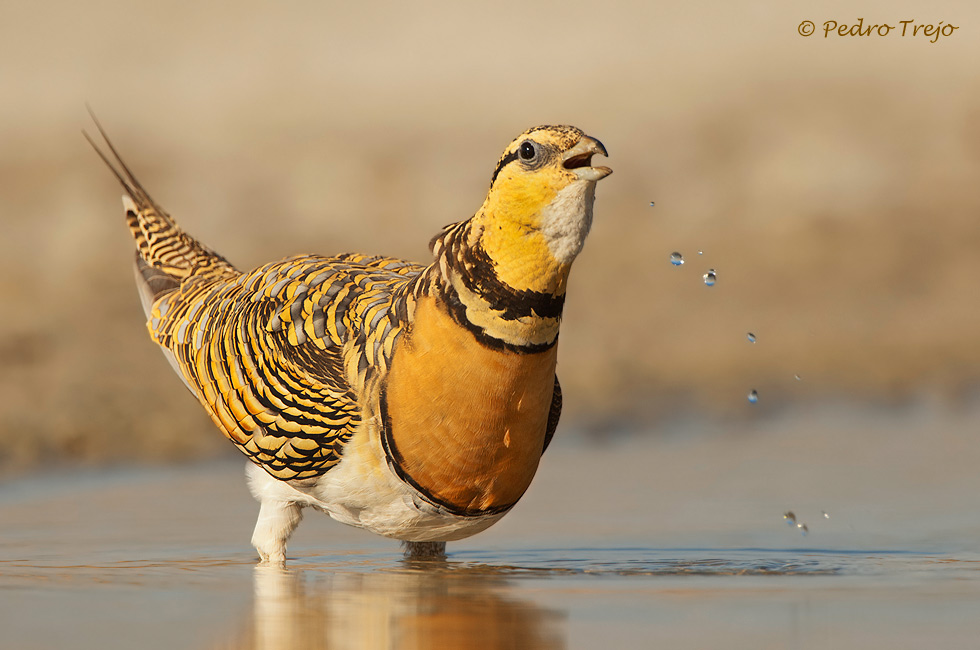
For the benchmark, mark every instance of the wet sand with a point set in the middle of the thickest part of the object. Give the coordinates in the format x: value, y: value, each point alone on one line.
x: 677, y: 542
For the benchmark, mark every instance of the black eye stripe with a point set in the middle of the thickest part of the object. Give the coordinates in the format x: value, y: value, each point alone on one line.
x: 532, y: 155
x: 506, y: 160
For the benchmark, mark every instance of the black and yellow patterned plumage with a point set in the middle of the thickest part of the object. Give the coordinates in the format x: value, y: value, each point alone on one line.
x: 292, y: 360
x: 268, y: 353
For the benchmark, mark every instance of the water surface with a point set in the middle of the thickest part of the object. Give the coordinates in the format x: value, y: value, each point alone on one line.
x: 675, y: 542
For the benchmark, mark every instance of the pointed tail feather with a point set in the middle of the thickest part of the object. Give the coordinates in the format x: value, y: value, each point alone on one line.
x: 166, y: 255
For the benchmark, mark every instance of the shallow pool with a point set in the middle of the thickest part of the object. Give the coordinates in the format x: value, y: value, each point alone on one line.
x: 676, y: 540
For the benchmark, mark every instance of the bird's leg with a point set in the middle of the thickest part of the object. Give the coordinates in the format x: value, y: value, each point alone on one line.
x: 277, y: 521
x: 279, y: 513
x: 425, y: 550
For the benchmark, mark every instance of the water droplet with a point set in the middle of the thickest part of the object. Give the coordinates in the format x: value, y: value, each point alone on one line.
x: 751, y: 337
x: 753, y: 396
x: 803, y: 529
x: 790, y: 517
x: 825, y: 514
x: 700, y: 252
x: 676, y: 259
x: 651, y: 203
x: 710, y: 277
x: 798, y: 378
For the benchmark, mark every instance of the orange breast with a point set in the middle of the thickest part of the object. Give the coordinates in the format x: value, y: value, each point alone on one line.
x: 464, y: 423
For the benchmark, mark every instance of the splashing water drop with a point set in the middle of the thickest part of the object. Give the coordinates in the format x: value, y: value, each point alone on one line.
x: 676, y: 259
x: 753, y: 396
x: 798, y: 378
x: 803, y: 529
x: 790, y: 517
x: 651, y: 203
x: 751, y: 337
x: 710, y: 278
x: 700, y: 252
x: 825, y: 514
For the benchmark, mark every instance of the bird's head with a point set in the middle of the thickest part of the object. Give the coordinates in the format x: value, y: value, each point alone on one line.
x: 538, y: 210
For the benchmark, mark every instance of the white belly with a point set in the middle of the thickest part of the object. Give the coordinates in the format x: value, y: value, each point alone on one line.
x: 363, y: 491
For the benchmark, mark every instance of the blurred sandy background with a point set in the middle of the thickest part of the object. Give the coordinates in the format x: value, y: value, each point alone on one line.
x: 834, y: 184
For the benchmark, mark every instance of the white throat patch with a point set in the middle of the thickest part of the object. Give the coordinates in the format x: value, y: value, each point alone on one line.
x: 566, y: 221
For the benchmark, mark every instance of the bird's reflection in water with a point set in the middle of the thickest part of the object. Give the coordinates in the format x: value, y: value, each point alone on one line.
x: 417, y: 605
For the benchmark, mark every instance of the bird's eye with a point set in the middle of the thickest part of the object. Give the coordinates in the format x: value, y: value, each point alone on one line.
x: 527, y: 150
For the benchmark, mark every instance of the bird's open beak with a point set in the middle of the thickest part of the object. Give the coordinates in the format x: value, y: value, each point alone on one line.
x: 579, y: 159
